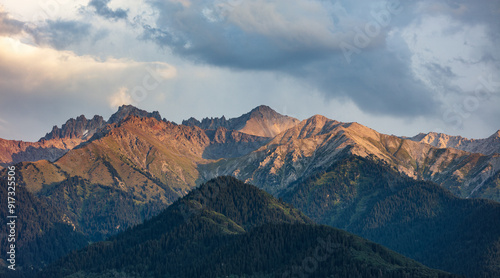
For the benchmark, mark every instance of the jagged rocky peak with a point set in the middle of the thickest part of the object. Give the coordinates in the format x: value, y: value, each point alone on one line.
x: 191, y: 122
x: 318, y: 120
x: 264, y: 121
x: 315, y: 122
x: 261, y: 121
x: 81, y: 128
x: 129, y: 110
x: 309, y: 127
x: 264, y: 111
x: 485, y: 146
x: 208, y: 123
x: 439, y: 140
x: 214, y: 123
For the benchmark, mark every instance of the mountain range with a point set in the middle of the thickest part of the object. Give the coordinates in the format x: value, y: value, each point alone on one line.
x: 97, y: 178
x: 315, y: 143
x: 276, y: 150
x: 418, y: 219
x: 53, y: 145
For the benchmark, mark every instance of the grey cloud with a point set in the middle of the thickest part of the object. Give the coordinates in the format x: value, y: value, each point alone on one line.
x: 9, y: 26
x: 484, y: 12
x: 222, y: 43
x: 440, y: 70
x: 479, y: 11
x: 274, y: 35
x: 61, y: 33
x: 441, y: 77
x: 250, y: 52
x: 377, y: 80
x: 102, y: 9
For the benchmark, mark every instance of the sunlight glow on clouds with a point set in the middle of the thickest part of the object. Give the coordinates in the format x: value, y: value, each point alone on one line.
x: 38, y: 83
x: 37, y: 68
x: 418, y: 60
x: 121, y: 97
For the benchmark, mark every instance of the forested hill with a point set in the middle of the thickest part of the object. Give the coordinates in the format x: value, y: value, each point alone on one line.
x: 226, y: 227
x: 418, y: 219
x: 42, y: 235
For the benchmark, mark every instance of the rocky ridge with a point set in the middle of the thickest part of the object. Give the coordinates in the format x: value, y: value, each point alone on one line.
x: 59, y: 141
x: 261, y: 121
x: 487, y: 146
x: 79, y: 128
x: 182, y: 156
x: 317, y: 142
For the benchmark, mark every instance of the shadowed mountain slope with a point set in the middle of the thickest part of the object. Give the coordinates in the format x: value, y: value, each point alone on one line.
x: 315, y: 143
x: 418, y: 219
x: 227, y: 227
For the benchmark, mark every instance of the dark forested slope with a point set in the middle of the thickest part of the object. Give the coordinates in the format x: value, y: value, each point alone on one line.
x: 227, y: 227
x: 415, y: 218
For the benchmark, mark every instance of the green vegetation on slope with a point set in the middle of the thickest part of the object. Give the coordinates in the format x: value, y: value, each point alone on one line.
x: 42, y: 235
x: 66, y: 216
x: 227, y: 227
x: 418, y: 219
x: 96, y: 210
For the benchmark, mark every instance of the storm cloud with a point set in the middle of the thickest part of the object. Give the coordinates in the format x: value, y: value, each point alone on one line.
x: 401, y: 67
x: 340, y: 49
x: 360, y: 50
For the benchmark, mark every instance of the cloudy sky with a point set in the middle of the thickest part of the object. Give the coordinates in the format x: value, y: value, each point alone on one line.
x: 400, y: 67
